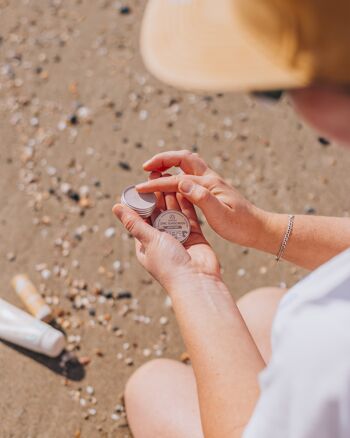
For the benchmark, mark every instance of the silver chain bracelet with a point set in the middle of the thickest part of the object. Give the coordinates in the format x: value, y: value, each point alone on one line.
x: 286, y: 237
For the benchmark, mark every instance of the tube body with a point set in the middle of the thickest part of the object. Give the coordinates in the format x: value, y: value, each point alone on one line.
x: 22, y: 329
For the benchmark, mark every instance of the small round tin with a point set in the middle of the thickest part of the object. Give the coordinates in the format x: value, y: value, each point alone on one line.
x: 143, y: 203
x: 174, y: 223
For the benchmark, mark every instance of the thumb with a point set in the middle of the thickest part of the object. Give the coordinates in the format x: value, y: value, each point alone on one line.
x: 200, y: 196
x: 134, y: 224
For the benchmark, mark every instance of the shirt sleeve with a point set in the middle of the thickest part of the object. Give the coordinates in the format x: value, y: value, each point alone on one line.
x: 305, y: 390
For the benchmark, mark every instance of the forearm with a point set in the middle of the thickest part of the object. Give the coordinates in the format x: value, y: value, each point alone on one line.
x: 314, y: 240
x: 224, y: 357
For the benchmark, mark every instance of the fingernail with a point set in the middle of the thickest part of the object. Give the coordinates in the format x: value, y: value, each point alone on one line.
x: 140, y: 185
x: 186, y: 186
x: 146, y: 163
x: 117, y: 210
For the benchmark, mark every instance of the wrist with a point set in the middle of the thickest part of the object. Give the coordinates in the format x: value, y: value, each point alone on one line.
x: 271, y: 231
x: 195, y: 281
x: 255, y: 225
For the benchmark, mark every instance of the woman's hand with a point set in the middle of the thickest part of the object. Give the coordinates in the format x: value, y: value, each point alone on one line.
x: 172, y: 264
x: 229, y: 214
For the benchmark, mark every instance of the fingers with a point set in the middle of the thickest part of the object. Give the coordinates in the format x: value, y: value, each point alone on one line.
x: 167, y: 184
x: 134, y: 224
x: 159, y: 195
x: 189, y: 211
x: 171, y: 201
x: 189, y: 162
x: 154, y: 215
x: 202, y: 197
x: 170, y: 198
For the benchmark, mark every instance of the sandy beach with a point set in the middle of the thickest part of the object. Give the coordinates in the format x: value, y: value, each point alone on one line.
x: 79, y: 115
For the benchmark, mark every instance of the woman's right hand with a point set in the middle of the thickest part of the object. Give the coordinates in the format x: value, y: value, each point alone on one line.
x: 231, y: 215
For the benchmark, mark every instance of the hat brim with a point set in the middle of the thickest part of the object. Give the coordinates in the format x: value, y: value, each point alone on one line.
x: 202, y: 45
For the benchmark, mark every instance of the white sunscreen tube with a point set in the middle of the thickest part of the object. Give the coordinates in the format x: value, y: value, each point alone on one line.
x: 22, y: 329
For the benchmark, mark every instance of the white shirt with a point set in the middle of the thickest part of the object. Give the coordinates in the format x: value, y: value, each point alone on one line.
x: 305, y: 389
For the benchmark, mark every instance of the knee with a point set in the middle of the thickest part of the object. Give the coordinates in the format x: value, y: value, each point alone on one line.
x: 260, y: 298
x: 161, y: 400
x: 139, y: 382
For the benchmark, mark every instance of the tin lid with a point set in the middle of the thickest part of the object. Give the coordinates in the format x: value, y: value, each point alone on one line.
x: 142, y: 203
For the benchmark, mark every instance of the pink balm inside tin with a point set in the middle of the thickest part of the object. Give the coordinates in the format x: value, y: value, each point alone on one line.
x: 143, y: 203
x: 174, y: 223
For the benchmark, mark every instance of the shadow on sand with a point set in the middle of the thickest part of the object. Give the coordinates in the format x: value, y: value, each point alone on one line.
x: 66, y: 364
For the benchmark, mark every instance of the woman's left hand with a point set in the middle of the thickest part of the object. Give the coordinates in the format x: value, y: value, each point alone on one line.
x: 171, y: 263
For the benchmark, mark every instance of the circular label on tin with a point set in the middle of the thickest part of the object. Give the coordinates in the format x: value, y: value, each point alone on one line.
x: 174, y: 223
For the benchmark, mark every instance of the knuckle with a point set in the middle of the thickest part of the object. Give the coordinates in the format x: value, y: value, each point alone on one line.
x: 178, y: 178
x: 203, y: 195
x: 214, y: 180
x: 209, y: 180
x: 186, y: 152
x: 130, y: 224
